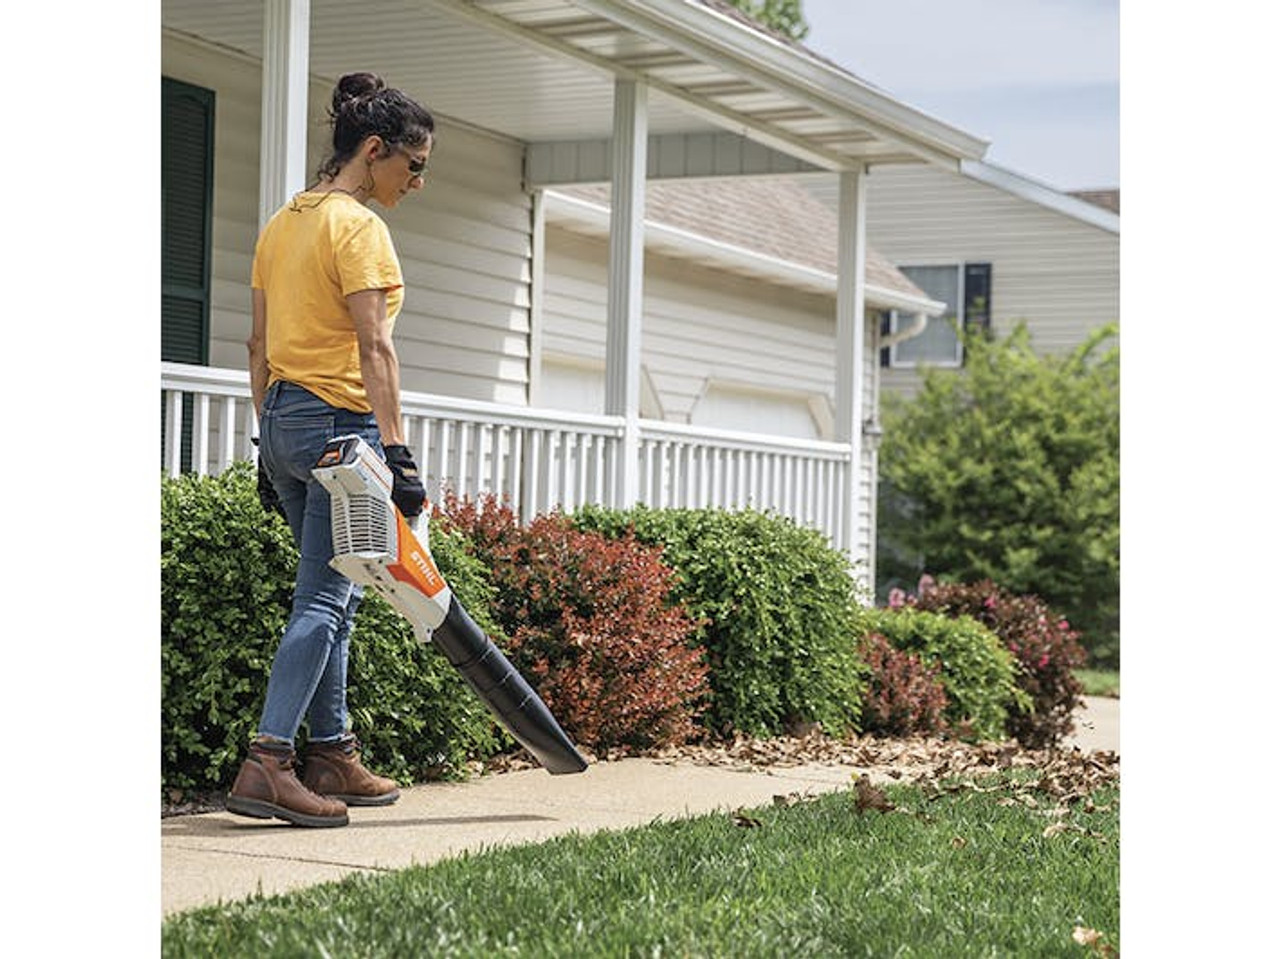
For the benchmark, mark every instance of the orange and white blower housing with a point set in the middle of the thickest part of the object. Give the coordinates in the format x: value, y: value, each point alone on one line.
x: 375, y: 546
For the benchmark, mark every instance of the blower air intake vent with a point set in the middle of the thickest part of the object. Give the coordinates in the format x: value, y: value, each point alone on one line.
x: 362, y: 524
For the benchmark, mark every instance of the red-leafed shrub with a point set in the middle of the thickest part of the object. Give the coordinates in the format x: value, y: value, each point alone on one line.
x: 904, y: 695
x: 592, y: 626
x: 1046, y: 647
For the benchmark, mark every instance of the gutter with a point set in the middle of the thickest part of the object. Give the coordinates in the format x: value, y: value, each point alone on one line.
x: 564, y: 209
x: 1045, y: 196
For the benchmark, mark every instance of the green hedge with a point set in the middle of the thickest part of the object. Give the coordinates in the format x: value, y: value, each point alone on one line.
x: 226, y: 584
x: 782, y: 619
x: 979, y: 675
x: 782, y: 614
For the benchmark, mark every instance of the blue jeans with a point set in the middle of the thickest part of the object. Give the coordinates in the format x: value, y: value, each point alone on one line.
x: 309, y: 673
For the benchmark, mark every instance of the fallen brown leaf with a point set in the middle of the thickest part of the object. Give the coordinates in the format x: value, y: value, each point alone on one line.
x: 1086, y: 937
x: 1092, y: 940
x: 867, y: 796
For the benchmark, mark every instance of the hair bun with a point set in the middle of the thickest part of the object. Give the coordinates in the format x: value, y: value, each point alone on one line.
x: 355, y: 86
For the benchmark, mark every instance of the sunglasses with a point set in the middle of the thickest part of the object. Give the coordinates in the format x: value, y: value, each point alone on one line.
x: 417, y: 165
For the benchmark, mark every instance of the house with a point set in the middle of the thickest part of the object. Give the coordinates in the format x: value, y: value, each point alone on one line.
x: 538, y: 104
x: 998, y: 248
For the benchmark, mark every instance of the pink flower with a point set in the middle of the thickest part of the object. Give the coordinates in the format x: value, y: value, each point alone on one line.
x: 1044, y: 661
x: 1063, y: 624
x: 989, y: 602
x: 897, y: 598
x: 927, y: 583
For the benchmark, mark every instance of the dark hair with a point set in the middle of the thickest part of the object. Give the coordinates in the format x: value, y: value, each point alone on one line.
x: 364, y: 106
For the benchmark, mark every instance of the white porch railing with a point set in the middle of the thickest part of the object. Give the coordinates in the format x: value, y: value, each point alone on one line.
x: 537, y: 459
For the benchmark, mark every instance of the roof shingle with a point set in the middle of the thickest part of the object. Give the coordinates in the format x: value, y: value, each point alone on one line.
x: 773, y: 216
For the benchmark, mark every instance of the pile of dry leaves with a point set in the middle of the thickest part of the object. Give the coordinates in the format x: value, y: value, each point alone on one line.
x: 1062, y: 774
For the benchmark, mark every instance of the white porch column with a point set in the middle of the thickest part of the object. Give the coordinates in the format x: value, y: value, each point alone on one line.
x: 851, y: 286
x: 626, y: 287
x: 286, y: 46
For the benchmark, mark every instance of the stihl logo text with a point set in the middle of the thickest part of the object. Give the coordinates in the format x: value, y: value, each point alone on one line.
x: 427, y: 570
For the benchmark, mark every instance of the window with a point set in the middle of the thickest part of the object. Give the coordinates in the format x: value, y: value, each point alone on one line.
x: 966, y: 289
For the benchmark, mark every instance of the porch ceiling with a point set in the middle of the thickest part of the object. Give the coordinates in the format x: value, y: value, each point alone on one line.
x: 543, y: 71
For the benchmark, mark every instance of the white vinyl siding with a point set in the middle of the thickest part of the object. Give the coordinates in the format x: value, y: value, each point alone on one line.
x: 1058, y: 273
x: 463, y: 241
x: 700, y: 326
x: 735, y: 407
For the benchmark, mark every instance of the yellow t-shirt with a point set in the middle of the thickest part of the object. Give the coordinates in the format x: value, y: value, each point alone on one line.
x: 313, y: 253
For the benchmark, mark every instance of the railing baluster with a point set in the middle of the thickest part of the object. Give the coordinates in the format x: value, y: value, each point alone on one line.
x: 443, y: 430
x: 200, y: 436
x: 598, y: 445
x: 546, y: 495
x: 532, y: 452
x: 227, y: 433
x: 173, y: 433
x: 480, y: 434
x: 497, y: 459
x: 582, y: 469
x: 564, y: 469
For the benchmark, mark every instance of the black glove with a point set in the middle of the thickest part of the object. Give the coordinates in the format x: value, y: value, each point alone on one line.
x: 266, y: 491
x: 407, y: 491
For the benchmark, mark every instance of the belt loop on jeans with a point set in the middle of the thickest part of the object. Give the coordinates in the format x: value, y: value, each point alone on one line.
x: 272, y: 391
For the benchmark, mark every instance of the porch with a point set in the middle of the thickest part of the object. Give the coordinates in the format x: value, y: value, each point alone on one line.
x: 538, y: 460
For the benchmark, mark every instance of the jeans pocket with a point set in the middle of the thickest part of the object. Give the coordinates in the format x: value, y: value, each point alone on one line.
x: 294, y: 443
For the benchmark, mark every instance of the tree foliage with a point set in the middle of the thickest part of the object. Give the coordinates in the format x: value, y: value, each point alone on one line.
x: 1009, y: 470
x: 784, y: 16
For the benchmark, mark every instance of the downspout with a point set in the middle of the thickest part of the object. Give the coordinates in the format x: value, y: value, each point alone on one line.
x: 915, y: 329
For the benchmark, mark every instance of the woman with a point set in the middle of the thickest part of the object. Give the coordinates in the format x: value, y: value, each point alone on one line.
x: 326, y: 290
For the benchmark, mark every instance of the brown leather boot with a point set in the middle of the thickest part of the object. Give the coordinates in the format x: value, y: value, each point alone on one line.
x: 268, y: 786
x: 334, y: 769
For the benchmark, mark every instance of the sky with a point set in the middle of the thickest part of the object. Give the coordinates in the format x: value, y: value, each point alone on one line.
x: 1039, y: 79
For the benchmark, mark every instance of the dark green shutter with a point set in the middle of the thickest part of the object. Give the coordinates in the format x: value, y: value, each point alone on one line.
x: 186, y: 229
x: 186, y: 190
x: 977, y: 296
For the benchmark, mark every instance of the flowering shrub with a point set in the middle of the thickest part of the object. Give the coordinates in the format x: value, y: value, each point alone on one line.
x: 592, y: 626
x: 904, y: 695
x: 1046, y: 647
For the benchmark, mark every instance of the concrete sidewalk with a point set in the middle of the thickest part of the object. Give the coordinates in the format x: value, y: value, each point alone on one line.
x: 216, y: 857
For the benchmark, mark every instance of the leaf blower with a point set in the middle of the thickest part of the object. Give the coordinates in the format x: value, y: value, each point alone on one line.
x: 374, y: 545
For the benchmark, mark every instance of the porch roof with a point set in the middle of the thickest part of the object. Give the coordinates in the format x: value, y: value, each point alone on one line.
x: 543, y: 71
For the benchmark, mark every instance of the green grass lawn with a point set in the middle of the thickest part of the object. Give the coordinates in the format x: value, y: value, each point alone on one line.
x: 993, y: 872
x: 1099, y: 682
